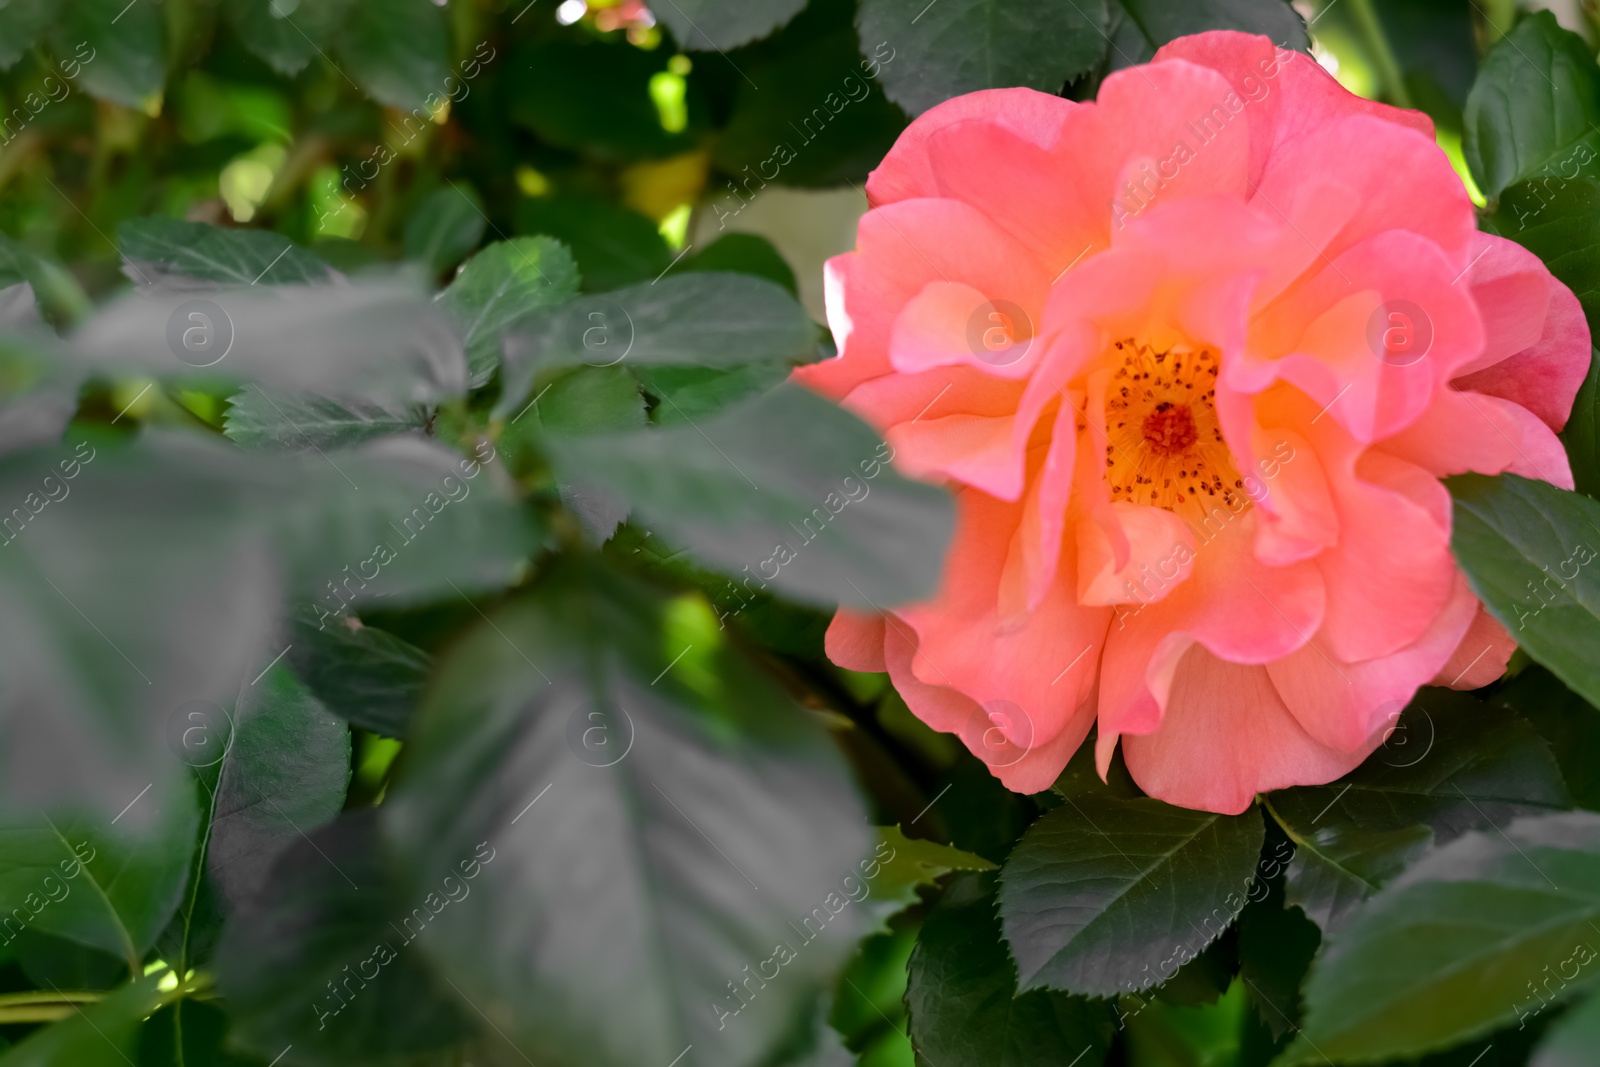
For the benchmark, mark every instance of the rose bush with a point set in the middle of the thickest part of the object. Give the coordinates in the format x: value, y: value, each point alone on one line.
x: 1195, y: 357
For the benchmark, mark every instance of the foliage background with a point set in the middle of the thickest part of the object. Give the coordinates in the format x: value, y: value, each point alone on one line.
x: 396, y: 688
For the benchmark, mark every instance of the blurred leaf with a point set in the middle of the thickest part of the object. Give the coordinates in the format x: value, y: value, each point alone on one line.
x: 828, y: 121
x: 718, y: 25
x: 870, y: 995
x: 1581, y: 437
x: 499, y: 288
x: 398, y: 51
x: 693, y: 319
x: 121, y: 49
x: 1157, y: 22
x: 777, y: 490
x: 286, y: 33
x: 21, y: 23
x: 446, y: 227
x: 613, y: 245
x: 258, y: 419
x: 187, y: 1033
x: 1572, y: 1041
x: 964, y: 1002
x: 1452, y: 949
x: 1104, y: 896
x: 1533, y: 108
x: 108, y: 886
x: 284, y: 773
x: 713, y: 823
x: 322, y: 958
x: 961, y: 46
x: 361, y: 673
x: 589, y: 400
x: 688, y: 394
x: 161, y: 250
x: 1451, y: 765
x: 53, y: 286
x: 1558, y: 221
x: 38, y: 391
x: 744, y: 253
x: 100, y: 1035
x: 594, y: 97
x: 383, y: 342
x: 1526, y: 547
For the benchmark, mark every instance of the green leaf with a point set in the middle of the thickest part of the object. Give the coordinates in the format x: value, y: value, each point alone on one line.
x: 21, y: 23
x: 1570, y: 724
x: 1572, y: 1040
x: 964, y: 1002
x: 258, y: 419
x: 907, y: 863
x: 284, y: 773
x: 1276, y: 944
x: 398, y: 51
x: 501, y: 287
x: 689, y: 394
x: 159, y: 249
x: 379, y: 341
x: 1533, y: 108
x: 286, y: 33
x: 1460, y: 945
x: 961, y: 46
x: 718, y: 25
x: 693, y: 320
x: 188, y: 1033
x: 324, y: 957
x: 613, y: 245
x: 869, y: 997
x: 1451, y: 765
x: 586, y: 400
x: 1581, y: 437
x: 1527, y: 549
x: 101, y: 1035
x: 53, y: 285
x: 786, y: 489
x: 361, y: 673
x: 121, y: 48
x: 1558, y: 221
x: 622, y: 755
x: 110, y: 883
x: 445, y: 227
x: 1104, y: 896
x: 1157, y: 23
x: 744, y: 253
x: 830, y: 124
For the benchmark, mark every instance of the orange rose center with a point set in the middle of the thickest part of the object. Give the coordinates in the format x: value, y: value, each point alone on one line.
x: 1165, y: 446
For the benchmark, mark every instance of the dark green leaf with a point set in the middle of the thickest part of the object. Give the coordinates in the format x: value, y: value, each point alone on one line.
x: 1526, y: 547
x: 621, y: 754
x: 718, y: 25
x: 613, y: 245
x: 587, y: 400
x: 1276, y: 943
x: 1451, y: 765
x: 1559, y: 221
x: 1533, y: 108
x: 446, y: 227
x: 963, y: 998
x: 1463, y: 944
x: 187, y: 1033
x: 21, y: 23
x: 786, y: 489
x: 961, y: 46
x: 258, y: 419
x: 689, y: 394
x: 908, y: 863
x: 1569, y: 723
x: 502, y: 286
x: 743, y: 253
x: 323, y: 957
x: 363, y: 674
x: 159, y: 250
x: 121, y: 49
x: 398, y: 51
x: 1104, y: 896
x: 53, y: 286
x: 1156, y: 22
x: 101, y: 1035
x: 1582, y: 433
x: 287, y: 33
x: 1572, y: 1041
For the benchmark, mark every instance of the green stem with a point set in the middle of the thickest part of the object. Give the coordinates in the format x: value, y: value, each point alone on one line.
x: 1382, y: 55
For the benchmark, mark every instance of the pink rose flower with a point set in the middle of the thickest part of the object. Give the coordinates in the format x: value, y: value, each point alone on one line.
x: 1193, y: 358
